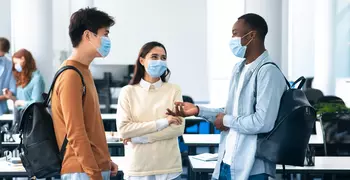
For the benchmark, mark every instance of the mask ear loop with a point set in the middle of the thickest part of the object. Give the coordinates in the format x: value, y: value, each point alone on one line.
x: 249, y: 40
x: 94, y: 45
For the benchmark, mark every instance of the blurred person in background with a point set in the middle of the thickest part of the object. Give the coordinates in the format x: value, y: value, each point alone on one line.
x: 29, y: 82
x: 7, y: 81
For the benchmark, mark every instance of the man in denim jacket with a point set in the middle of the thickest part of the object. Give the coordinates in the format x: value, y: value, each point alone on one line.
x: 7, y: 81
x: 252, y: 105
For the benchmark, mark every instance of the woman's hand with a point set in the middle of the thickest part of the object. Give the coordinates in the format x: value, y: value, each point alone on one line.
x: 19, y: 103
x: 125, y: 141
x: 174, y: 120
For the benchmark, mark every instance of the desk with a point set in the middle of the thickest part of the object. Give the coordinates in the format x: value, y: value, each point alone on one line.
x: 323, y: 165
x: 6, y: 118
x: 118, y: 147
x: 114, y: 116
x: 213, y: 140
x: 7, y: 170
x: 15, y: 144
x: 107, y: 117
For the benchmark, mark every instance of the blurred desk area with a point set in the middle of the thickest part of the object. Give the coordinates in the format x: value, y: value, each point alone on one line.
x: 108, y: 91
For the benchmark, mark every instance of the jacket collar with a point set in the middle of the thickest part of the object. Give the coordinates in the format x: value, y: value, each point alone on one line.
x: 262, y: 58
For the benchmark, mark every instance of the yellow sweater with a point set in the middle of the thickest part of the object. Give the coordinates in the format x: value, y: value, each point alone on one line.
x: 138, y: 110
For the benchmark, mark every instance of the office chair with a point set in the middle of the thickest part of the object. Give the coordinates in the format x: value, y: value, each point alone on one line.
x: 190, y: 124
x: 308, y: 83
x: 313, y: 95
x: 104, y: 93
x: 331, y: 99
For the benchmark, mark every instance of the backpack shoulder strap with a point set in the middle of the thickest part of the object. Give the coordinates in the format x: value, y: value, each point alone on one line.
x: 48, y: 99
x: 59, y: 72
x: 300, y: 79
x: 256, y: 79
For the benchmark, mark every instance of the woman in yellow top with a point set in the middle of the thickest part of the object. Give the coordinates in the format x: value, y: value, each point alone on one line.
x: 152, y: 152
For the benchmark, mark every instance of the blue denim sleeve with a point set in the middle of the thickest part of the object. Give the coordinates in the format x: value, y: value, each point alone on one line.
x: 270, y: 88
x: 209, y: 113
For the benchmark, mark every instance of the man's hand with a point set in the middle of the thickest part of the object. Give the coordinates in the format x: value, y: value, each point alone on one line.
x: 183, y: 109
x: 219, y: 124
x: 114, y: 169
x: 7, y: 93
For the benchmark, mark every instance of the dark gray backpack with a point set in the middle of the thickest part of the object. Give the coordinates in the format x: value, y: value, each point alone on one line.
x: 288, y: 141
x: 38, y: 148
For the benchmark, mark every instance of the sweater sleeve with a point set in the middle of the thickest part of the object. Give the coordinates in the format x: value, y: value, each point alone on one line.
x: 171, y: 131
x: 127, y: 128
x: 70, y: 92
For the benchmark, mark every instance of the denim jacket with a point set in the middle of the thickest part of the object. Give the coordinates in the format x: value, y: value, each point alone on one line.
x: 6, y: 81
x: 259, y: 104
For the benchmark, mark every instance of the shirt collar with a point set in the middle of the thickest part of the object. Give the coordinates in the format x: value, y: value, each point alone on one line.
x: 146, y: 85
x: 252, y: 66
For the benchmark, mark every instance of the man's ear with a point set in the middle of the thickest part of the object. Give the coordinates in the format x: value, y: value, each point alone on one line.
x: 86, y: 35
x: 253, y: 35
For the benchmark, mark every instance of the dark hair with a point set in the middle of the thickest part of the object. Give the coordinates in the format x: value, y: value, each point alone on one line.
x: 139, y: 70
x: 257, y: 23
x: 24, y: 77
x: 87, y: 19
x: 4, y: 45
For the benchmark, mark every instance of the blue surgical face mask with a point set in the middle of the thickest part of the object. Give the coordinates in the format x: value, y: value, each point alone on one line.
x: 156, y: 68
x: 105, y: 46
x: 18, y: 67
x: 236, y: 46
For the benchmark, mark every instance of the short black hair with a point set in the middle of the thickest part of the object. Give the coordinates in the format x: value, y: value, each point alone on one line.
x: 87, y: 19
x: 257, y: 23
x: 4, y: 45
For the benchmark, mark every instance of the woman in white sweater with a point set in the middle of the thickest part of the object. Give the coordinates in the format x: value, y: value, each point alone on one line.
x: 152, y: 136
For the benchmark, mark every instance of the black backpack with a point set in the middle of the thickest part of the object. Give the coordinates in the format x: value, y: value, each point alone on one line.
x: 38, y: 148
x: 287, y: 142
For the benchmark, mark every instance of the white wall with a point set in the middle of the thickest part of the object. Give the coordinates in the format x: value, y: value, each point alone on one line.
x: 271, y: 11
x: 180, y: 25
x: 284, y: 34
x: 5, y: 19
x: 31, y: 29
x: 221, y: 15
x: 341, y: 39
x: 196, y: 34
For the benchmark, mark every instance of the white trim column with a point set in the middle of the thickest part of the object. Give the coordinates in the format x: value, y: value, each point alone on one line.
x: 78, y: 4
x: 5, y: 19
x: 221, y: 15
x: 323, y: 53
x: 31, y: 25
x: 271, y: 11
x: 301, y: 38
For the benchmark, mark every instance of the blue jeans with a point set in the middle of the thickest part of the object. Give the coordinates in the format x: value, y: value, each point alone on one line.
x: 83, y: 176
x: 225, y: 174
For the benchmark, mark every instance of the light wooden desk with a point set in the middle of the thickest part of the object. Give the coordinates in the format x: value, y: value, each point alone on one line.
x: 7, y: 170
x: 323, y: 165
